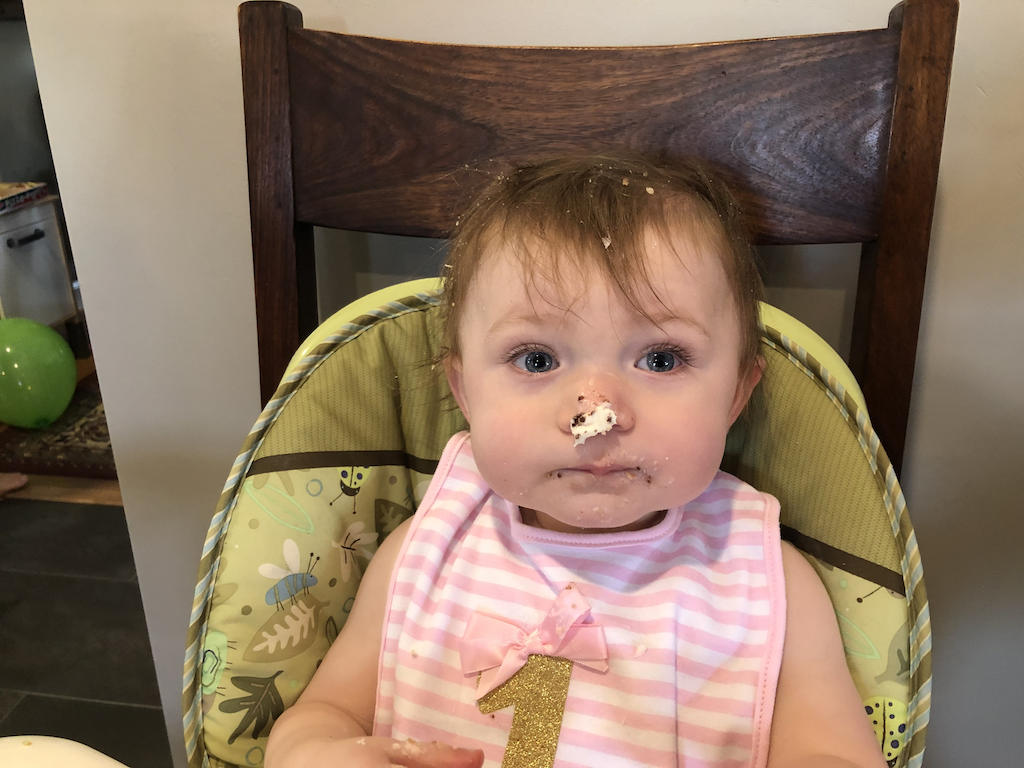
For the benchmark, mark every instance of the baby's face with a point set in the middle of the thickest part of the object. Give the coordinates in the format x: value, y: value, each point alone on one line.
x: 528, y: 369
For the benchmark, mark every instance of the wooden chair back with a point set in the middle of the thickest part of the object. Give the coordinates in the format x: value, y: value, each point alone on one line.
x: 826, y: 138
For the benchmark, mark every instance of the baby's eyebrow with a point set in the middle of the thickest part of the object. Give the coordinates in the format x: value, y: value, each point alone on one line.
x: 535, y: 319
x: 531, y: 317
x: 665, y: 317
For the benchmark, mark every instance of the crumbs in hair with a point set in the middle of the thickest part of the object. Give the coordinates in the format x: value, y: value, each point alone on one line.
x: 625, y: 182
x: 606, y: 241
x: 650, y: 190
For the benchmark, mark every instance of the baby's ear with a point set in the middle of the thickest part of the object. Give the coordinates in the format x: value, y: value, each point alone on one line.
x: 745, y: 387
x: 453, y: 370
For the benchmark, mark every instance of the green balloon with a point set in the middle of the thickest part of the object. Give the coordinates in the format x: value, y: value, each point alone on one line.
x: 37, y: 374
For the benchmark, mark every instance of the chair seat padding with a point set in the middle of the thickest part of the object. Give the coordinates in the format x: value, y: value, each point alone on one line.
x: 345, y: 451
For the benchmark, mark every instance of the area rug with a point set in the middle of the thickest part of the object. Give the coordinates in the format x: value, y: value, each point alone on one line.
x: 75, y: 445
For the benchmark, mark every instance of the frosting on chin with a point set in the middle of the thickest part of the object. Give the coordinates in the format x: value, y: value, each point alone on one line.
x: 597, y: 421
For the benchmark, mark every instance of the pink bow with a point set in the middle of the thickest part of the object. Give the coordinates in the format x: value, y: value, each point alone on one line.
x: 498, y: 648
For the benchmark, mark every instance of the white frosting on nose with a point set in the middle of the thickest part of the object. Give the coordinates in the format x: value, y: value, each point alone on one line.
x: 597, y: 421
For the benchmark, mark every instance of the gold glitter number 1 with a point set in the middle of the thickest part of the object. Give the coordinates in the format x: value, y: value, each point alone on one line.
x: 538, y: 692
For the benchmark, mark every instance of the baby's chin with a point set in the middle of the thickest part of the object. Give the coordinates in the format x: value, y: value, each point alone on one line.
x: 590, y: 520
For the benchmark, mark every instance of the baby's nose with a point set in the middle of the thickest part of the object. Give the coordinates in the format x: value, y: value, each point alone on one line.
x: 599, y: 420
x: 597, y: 411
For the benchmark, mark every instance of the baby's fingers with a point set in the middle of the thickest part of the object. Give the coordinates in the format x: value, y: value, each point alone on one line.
x: 433, y: 754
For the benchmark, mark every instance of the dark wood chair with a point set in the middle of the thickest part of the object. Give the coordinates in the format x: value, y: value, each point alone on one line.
x: 828, y: 139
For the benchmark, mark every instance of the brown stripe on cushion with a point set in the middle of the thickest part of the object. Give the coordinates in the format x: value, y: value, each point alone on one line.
x: 317, y: 459
x: 858, y: 566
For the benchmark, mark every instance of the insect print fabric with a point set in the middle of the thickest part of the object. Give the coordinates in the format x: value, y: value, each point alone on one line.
x: 351, y: 480
x: 286, y: 581
x: 290, y: 582
x: 876, y: 639
x: 889, y: 719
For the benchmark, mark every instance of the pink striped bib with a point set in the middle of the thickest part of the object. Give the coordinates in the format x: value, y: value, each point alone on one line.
x: 689, y: 616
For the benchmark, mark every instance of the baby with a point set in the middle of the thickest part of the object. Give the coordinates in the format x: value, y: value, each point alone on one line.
x: 582, y: 585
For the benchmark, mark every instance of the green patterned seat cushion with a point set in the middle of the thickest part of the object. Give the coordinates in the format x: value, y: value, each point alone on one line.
x: 345, y: 452
x: 812, y: 447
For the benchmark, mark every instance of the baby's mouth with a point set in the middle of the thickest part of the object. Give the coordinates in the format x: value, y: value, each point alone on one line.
x: 604, y: 469
x: 616, y: 471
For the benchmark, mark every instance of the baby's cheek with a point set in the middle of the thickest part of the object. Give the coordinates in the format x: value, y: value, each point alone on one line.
x: 687, y: 466
x: 501, y: 471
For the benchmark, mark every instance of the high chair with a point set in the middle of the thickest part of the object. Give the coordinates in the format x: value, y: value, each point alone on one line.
x: 828, y: 138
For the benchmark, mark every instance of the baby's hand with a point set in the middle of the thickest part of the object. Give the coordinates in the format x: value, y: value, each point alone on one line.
x: 379, y: 752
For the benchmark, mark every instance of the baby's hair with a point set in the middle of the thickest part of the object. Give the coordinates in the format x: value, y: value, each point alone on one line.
x: 560, y: 217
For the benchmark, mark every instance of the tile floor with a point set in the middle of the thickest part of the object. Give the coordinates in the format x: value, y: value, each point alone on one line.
x: 75, y: 659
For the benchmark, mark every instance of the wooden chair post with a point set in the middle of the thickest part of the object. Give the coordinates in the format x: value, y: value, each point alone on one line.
x: 283, y: 262
x: 892, y: 273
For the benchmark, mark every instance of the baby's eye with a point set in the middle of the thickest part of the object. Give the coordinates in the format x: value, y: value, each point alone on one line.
x: 535, y: 361
x: 659, y: 361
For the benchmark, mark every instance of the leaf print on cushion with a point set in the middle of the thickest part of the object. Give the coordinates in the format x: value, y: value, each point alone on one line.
x: 855, y: 641
x: 356, y: 541
x: 898, y: 666
x: 280, y: 506
x: 259, y: 481
x: 262, y: 705
x: 288, y: 633
x: 388, y: 515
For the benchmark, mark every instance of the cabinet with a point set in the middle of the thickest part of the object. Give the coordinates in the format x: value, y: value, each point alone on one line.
x: 34, y: 280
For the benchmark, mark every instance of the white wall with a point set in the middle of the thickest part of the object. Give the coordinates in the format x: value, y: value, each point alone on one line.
x: 143, y: 105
